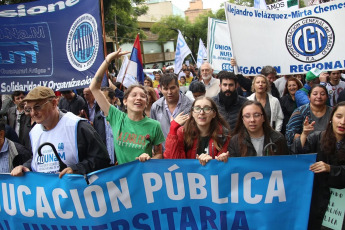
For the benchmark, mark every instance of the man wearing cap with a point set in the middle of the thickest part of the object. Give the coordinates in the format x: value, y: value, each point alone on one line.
x: 77, y: 143
x: 312, y: 78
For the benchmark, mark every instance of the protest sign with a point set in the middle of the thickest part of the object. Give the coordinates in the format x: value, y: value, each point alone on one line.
x: 52, y: 43
x: 218, y: 45
x: 291, y: 41
x: 334, y: 216
x: 284, y: 5
x: 244, y: 193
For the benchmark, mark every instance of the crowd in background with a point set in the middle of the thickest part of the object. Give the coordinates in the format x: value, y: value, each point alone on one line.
x: 196, y: 114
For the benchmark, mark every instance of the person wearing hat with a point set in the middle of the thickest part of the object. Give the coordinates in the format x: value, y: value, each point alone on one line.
x: 312, y: 78
x: 77, y: 143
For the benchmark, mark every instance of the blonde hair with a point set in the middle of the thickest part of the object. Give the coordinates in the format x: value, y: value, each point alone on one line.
x: 268, y: 87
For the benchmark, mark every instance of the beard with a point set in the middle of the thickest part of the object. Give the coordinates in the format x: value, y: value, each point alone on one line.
x: 228, y: 101
x: 206, y: 77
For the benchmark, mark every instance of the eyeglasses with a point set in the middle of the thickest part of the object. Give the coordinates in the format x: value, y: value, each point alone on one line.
x: 36, y: 108
x: 256, y: 116
x: 199, y: 109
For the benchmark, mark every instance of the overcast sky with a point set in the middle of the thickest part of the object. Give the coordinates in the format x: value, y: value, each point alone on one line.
x: 213, y: 4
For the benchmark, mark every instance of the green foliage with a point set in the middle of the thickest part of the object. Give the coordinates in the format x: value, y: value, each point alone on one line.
x: 167, y: 28
x: 126, y: 13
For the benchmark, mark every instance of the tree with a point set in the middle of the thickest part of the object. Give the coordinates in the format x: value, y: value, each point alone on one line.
x: 126, y: 13
x: 167, y: 29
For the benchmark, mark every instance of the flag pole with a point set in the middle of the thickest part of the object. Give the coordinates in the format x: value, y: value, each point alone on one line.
x: 103, y: 35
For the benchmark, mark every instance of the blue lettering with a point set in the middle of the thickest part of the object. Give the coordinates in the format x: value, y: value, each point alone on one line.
x: 170, y: 216
x: 187, y: 219
x: 156, y: 220
x: 223, y: 220
x: 62, y: 156
x: 337, y: 64
x: 207, y: 215
x: 240, y: 221
x: 226, y: 54
x: 137, y: 224
x: 98, y: 227
x: 252, y: 70
x: 115, y: 225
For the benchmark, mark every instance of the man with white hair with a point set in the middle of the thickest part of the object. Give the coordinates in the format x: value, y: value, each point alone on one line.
x: 211, y: 83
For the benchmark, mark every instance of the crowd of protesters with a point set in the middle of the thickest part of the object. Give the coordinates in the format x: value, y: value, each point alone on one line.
x: 195, y: 114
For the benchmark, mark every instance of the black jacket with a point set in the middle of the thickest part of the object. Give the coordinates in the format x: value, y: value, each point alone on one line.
x: 74, y: 106
x: 86, y: 109
x: 230, y: 114
x: 23, y: 128
x: 322, y: 181
x: 99, y: 126
x: 288, y: 106
x: 92, y: 153
x: 274, y: 136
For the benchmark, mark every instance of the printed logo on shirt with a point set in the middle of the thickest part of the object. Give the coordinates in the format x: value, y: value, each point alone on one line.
x: 131, y: 140
x: 48, y: 163
x: 310, y: 39
x: 60, y: 146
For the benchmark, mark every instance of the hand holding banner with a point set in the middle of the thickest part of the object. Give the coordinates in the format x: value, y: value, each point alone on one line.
x: 165, y: 194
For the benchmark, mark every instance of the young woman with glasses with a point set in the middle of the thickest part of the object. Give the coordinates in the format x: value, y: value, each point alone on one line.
x: 204, y: 136
x: 253, y: 136
x: 329, y: 168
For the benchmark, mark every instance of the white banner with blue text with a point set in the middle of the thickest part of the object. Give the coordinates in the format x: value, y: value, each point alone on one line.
x: 291, y: 41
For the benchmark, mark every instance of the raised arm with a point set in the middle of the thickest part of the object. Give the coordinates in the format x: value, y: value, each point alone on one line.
x: 96, y: 82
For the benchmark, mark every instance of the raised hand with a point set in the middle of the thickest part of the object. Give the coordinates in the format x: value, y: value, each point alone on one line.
x: 308, y: 127
x: 181, y: 118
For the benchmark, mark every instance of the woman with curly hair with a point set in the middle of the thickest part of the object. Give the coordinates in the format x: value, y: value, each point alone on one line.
x: 329, y: 168
x: 204, y: 136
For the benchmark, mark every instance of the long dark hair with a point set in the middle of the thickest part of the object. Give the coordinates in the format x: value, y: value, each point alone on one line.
x: 191, y: 131
x: 328, y: 139
x: 241, y: 130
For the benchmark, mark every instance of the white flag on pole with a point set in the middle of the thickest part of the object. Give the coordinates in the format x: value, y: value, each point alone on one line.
x: 260, y: 4
x: 127, y: 74
x: 202, y: 54
x: 182, y: 51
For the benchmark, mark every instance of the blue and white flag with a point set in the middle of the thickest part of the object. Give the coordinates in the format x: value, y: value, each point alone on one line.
x: 202, y: 54
x: 260, y: 4
x: 182, y: 51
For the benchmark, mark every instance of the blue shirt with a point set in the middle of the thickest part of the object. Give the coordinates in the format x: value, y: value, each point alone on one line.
x: 109, y: 138
x: 4, y: 158
x: 92, y: 111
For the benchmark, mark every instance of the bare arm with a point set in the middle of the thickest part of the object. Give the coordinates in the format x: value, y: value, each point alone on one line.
x: 96, y: 82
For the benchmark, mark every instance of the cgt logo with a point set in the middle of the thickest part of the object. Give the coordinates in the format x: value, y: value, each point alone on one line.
x: 310, y: 39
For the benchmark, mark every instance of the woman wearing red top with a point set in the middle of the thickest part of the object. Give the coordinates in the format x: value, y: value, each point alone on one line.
x: 205, y: 135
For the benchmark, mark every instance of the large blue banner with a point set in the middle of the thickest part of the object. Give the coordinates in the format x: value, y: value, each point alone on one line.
x: 245, y: 193
x: 53, y: 43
